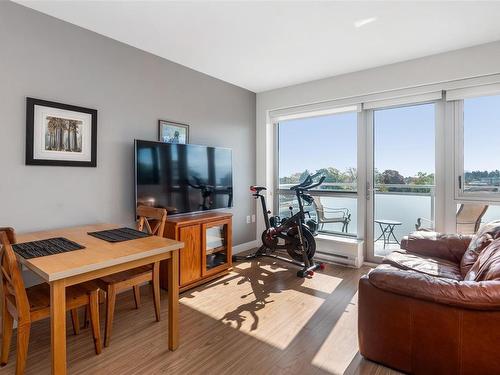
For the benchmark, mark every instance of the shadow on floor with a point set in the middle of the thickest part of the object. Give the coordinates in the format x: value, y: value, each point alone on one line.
x: 213, y: 346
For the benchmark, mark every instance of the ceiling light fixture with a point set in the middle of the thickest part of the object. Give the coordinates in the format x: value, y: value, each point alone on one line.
x: 364, y: 21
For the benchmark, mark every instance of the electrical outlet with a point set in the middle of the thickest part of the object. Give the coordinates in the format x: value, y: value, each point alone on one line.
x: 248, y: 219
x: 253, y: 218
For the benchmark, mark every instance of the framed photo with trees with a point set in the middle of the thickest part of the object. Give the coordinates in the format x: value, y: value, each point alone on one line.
x: 60, y: 134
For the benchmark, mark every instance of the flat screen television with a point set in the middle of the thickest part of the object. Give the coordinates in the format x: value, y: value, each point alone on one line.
x: 183, y: 178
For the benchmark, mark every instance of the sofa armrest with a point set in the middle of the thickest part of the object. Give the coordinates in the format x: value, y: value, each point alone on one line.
x: 433, y: 244
x: 483, y: 295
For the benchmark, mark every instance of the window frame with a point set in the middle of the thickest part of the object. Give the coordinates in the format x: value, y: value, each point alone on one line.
x: 461, y: 196
x: 438, y: 202
x: 447, y: 152
x: 306, y: 115
x: 354, y: 194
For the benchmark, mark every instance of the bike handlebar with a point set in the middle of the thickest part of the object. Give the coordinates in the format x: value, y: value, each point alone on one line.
x: 321, y: 180
x: 308, y: 183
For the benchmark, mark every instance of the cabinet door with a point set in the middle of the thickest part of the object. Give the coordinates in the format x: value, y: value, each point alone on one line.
x: 216, y: 247
x: 190, y: 255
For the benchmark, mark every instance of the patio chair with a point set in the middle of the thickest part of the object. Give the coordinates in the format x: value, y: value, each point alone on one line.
x: 468, y: 218
x: 327, y: 215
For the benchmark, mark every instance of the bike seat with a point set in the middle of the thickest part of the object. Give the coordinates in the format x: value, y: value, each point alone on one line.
x: 257, y: 189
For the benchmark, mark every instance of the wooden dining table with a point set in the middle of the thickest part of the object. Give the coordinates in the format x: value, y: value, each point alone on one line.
x: 99, y: 258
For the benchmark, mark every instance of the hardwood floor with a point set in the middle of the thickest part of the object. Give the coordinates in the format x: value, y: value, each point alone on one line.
x: 259, y: 319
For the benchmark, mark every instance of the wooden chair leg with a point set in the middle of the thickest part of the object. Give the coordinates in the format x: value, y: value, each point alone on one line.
x: 137, y: 295
x: 23, y: 338
x: 156, y: 289
x: 102, y: 296
x: 86, y: 317
x: 110, y: 312
x: 102, y: 299
x: 94, y: 321
x: 7, y: 328
x: 76, y: 321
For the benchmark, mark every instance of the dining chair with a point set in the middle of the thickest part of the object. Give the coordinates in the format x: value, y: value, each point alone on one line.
x: 11, y: 236
x: 28, y: 305
x: 113, y: 284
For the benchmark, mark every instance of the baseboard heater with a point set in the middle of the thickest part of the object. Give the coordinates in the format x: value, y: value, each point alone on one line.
x: 348, y: 251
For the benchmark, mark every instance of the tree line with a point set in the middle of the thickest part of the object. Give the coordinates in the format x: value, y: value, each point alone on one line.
x: 482, y: 175
x: 347, y: 179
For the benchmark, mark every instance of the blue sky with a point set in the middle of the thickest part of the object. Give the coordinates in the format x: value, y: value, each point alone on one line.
x: 482, y: 133
x: 404, y: 139
x: 332, y: 143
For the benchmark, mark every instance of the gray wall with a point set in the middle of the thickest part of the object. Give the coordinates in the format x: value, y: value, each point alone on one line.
x: 46, y: 58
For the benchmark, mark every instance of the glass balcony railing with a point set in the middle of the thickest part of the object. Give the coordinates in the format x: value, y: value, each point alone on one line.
x: 334, y: 207
x: 403, y: 203
x: 334, y: 215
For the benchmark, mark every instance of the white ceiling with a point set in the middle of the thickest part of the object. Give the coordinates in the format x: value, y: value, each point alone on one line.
x: 262, y: 45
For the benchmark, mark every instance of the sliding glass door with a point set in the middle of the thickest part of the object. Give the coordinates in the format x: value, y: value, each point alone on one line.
x: 401, y: 170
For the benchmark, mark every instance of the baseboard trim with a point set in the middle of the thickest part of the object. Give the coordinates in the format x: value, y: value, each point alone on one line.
x: 245, y: 246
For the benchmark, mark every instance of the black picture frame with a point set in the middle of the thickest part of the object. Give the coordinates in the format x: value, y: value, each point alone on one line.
x: 30, y: 132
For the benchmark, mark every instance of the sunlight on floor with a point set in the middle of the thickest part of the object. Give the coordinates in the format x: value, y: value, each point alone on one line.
x: 340, y: 336
x: 264, y: 300
x: 322, y: 283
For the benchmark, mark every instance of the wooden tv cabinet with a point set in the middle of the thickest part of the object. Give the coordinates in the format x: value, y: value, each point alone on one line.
x: 207, y: 248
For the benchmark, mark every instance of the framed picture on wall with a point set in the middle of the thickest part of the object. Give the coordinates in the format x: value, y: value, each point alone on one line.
x: 60, y: 134
x: 173, y: 132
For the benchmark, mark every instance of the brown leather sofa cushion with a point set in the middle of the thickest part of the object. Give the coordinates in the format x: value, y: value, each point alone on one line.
x: 429, y: 265
x: 423, y: 338
x: 485, y: 235
x: 432, y: 244
x: 487, y: 266
x: 482, y: 295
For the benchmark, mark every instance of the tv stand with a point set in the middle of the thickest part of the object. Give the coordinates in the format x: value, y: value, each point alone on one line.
x: 207, y: 251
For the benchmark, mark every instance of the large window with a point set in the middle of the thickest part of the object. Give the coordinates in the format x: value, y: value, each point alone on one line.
x: 325, y: 145
x: 479, y: 160
x: 428, y: 160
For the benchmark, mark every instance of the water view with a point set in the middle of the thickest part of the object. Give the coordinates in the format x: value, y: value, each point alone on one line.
x: 403, y: 169
x: 404, y: 208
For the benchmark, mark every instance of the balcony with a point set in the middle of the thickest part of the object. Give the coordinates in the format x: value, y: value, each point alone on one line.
x: 403, y: 203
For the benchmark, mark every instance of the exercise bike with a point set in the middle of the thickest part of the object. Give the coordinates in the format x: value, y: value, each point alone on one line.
x: 292, y: 234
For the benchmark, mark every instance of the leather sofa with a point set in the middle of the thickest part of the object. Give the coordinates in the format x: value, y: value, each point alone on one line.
x: 433, y: 307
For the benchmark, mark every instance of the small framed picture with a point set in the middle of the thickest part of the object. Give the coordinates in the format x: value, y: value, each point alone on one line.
x: 60, y: 134
x: 173, y: 132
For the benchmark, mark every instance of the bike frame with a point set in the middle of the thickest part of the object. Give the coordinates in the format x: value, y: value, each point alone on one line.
x: 297, y: 221
x: 299, y: 192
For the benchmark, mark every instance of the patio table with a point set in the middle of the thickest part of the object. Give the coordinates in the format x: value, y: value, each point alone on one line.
x: 387, y: 228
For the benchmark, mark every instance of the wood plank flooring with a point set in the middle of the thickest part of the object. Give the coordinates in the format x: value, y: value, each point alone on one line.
x: 259, y: 319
